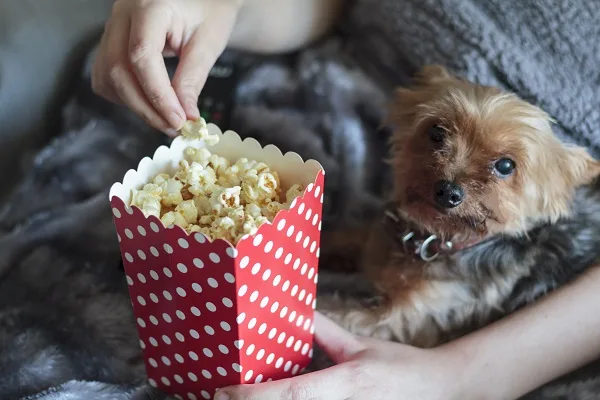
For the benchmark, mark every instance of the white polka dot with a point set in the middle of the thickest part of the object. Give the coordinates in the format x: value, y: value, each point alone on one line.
x: 274, y: 307
x: 206, y: 374
x: 192, y: 377
x: 314, y: 304
x: 182, y: 268
x: 154, y: 275
x: 167, y: 318
x: 152, y: 383
x: 294, y: 290
x: 129, y: 280
x: 194, y: 333
x: 315, y: 219
x: 153, y: 342
x: 310, y: 187
x: 258, y: 379
x: 223, y: 349
x: 293, y: 203
x: 283, y: 312
x: 311, y: 273
x: 141, y: 322
x: 168, y: 248
x: 208, y: 353
x: 167, y: 272
x: 309, y: 299
x: 212, y: 282
x: 299, y: 320
x: 165, y: 381
x: 272, y: 333
x: 167, y: 295
x: 142, y: 344
x: 128, y: 233
x: 313, y: 246
x: 320, y: 225
x: 153, y: 319
x: 141, y: 230
x: 221, y: 371
x: 262, y: 329
x: 214, y: 257
x: 299, y: 236
x: 238, y: 344
x: 211, y: 307
x: 254, y: 296
x: 231, y: 252
x: 266, y: 275
x: 240, y: 318
x: 225, y: 326
x: 179, y: 380
x: 295, y: 369
x: 154, y: 297
x: 243, y: 290
x: 205, y: 395
x: 179, y: 358
x: 270, y: 358
x: 317, y: 191
x: 302, y: 295
x: 183, y: 243
x: 277, y: 280
x: 229, y: 278
x: 244, y: 262
x: 198, y: 263
x: 308, y: 214
x: 154, y: 251
x: 193, y: 355
x: 301, y: 209
x: 290, y: 231
x: 281, y: 337
x: 209, y: 329
x: 166, y: 339
x: 257, y: 240
x: 287, y: 259
x: 281, y: 224
x: 200, y: 238
x: 248, y: 375
x: 166, y: 360
x: 236, y: 367
x: 129, y: 257
x: 285, y: 286
x: 119, y: 238
x: 227, y: 302
x: 154, y: 227
x: 181, y: 292
x: 252, y: 323
x: 279, y: 362
x: 250, y: 350
x: 305, y: 349
x: 141, y: 300
x: 288, y: 366
x: 179, y: 337
x: 268, y: 247
x: 195, y: 311
x: 292, y: 316
x: 116, y: 213
x: 196, y: 288
x: 264, y: 302
x: 316, y: 278
x: 306, y: 242
x: 298, y: 345
x: 129, y: 210
x: 255, y: 269
x: 260, y: 354
x: 279, y: 253
x: 296, y: 264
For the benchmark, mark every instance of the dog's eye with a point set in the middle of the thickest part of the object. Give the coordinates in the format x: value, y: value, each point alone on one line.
x: 436, y: 134
x: 504, y: 166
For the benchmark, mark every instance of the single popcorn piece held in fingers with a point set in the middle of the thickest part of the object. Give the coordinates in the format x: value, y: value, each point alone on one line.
x: 212, y: 195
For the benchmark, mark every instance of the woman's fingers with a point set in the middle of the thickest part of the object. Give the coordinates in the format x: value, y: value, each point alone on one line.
x: 339, y: 344
x: 335, y: 383
x: 149, y: 30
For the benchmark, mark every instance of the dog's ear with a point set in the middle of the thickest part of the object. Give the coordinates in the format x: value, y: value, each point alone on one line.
x: 581, y: 168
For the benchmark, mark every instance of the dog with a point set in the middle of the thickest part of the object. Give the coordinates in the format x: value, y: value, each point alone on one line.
x: 489, y: 211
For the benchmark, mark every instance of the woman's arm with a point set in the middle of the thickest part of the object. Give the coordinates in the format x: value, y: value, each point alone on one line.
x: 505, y: 360
x: 277, y: 26
x: 552, y: 337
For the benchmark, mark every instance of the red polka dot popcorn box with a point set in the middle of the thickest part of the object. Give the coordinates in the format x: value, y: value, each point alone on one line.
x: 210, y: 314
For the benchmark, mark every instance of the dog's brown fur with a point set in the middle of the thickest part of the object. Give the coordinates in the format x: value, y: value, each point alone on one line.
x: 428, y: 303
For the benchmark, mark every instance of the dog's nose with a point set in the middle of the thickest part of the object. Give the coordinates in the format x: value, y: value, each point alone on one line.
x: 448, y: 194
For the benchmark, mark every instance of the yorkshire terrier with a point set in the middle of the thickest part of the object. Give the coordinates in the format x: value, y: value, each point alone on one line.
x: 489, y: 212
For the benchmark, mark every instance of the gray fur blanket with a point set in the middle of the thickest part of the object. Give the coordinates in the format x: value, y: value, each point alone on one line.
x: 66, y: 329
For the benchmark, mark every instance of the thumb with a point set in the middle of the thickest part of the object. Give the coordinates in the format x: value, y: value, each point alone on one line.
x: 339, y: 344
x: 197, y: 58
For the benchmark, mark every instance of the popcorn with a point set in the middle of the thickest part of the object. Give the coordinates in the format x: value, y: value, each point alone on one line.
x: 211, y: 195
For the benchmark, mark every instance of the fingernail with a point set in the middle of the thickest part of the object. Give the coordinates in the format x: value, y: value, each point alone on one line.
x: 195, y: 113
x: 222, y: 396
x: 171, y: 132
x: 175, y: 120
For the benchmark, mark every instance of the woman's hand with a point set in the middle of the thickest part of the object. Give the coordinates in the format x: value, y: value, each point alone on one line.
x: 130, y: 69
x: 366, y: 369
